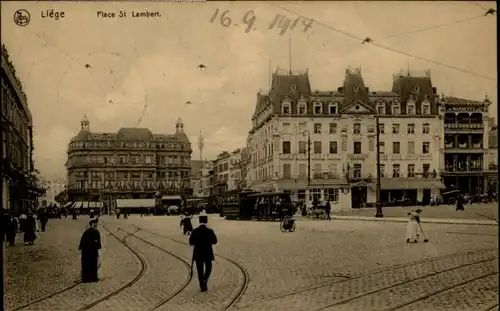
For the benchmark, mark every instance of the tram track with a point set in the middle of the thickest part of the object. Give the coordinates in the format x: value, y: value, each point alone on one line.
x: 22, y: 307
x: 399, y: 306
x: 244, y: 272
x: 78, y: 283
x: 370, y: 273
x: 187, y: 264
x: 144, y: 267
x: 434, y: 293
x: 492, y: 308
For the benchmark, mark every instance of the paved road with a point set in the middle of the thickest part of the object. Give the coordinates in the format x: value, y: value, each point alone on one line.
x: 337, y: 265
x: 472, y: 211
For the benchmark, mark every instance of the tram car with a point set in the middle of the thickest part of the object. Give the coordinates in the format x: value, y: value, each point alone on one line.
x: 236, y: 204
x: 272, y: 205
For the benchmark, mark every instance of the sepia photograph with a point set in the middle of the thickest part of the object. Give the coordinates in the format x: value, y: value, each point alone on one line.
x: 249, y: 155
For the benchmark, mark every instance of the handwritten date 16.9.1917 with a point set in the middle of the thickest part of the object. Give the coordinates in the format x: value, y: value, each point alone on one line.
x: 280, y: 22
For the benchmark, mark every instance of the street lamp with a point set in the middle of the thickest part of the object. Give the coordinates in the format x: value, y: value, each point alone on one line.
x: 378, y: 204
x: 308, y: 156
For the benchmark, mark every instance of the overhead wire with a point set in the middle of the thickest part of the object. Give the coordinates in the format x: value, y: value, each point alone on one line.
x: 360, y: 39
x: 396, y: 35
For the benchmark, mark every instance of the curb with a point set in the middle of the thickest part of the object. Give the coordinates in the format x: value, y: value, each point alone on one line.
x: 428, y: 221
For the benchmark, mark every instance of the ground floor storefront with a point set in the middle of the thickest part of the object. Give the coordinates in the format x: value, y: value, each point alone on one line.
x: 19, y: 195
x: 346, y: 195
x: 475, y: 186
x: 107, y: 199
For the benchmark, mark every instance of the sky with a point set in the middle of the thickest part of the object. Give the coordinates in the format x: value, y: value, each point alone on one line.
x: 150, y: 64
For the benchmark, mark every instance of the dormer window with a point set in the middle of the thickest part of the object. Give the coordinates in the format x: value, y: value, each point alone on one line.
x: 426, y: 107
x: 396, y: 109
x: 302, y: 108
x: 317, y: 108
x: 410, y: 107
x: 286, y: 108
x: 381, y: 108
x: 332, y: 108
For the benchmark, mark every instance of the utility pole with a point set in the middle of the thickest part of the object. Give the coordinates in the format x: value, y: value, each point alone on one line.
x: 2, y: 216
x: 308, y: 159
x: 378, y: 204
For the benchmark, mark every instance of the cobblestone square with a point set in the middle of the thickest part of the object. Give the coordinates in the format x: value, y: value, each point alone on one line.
x: 324, y: 265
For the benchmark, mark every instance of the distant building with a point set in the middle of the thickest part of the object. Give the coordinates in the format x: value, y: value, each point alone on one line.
x: 203, y: 180
x: 235, y: 170
x: 221, y: 172
x: 18, y: 181
x: 230, y: 169
x: 131, y: 163
x: 54, y: 188
x: 492, y: 162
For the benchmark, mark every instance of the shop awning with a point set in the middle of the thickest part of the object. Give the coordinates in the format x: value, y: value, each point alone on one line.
x: 410, y: 184
x: 171, y: 197
x: 135, y: 203
x: 69, y: 205
x: 298, y: 184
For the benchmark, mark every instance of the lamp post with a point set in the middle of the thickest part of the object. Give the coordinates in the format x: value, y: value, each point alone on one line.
x: 2, y: 214
x: 378, y: 204
x: 308, y: 157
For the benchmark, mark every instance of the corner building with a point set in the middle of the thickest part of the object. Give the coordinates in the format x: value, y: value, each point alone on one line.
x: 466, y: 135
x: 340, y: 125
x: 132, y: 163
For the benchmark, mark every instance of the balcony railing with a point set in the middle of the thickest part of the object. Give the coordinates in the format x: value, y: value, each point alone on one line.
x: 463, y: 146
x: 464, y: 126
x: 458, y: 169
x: 357, y: 156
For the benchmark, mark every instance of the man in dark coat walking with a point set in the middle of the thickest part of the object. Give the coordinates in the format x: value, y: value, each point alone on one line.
x: 186, y: 225
x: 90, y: 244
x: 328, y: 210
x: 30, y: 229
x: 11, y: 229
x: 202, y: 238
x: 44, y: 218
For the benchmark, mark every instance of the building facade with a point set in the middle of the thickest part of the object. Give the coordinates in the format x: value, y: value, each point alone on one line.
x: 18, y: 181
x: 323, y: 143
x: 131, y: 163
x: 466, y: 135
x: 230, y: 169
x: 493, y: 161
x: 54, y: 188
x: 236, y: 170
x: 203, y: 182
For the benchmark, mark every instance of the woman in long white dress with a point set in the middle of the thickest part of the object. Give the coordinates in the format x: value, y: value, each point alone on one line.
x: 412, y: 227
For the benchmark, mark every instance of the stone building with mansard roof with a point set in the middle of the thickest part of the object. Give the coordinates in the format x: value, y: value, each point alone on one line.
x: 340, y: 125
x: 131, y: 163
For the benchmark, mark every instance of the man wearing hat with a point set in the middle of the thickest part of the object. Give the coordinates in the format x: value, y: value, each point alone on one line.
x: 90, y: 244
x: 202, y: 239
